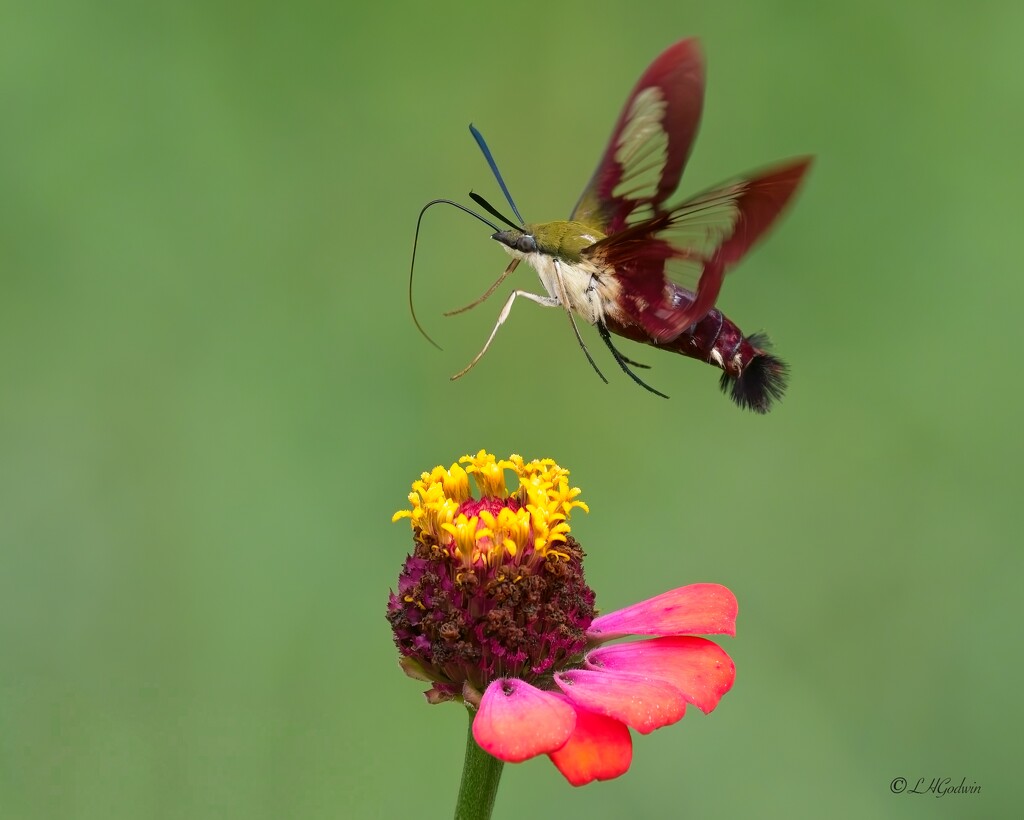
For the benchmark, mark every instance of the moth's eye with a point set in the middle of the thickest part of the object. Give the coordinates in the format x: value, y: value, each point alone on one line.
x: 526, y: 243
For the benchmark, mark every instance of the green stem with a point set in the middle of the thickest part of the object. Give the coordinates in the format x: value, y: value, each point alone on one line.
x: 480, y: 776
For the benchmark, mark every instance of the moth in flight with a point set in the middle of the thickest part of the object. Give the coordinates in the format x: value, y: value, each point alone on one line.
x: 635, y: 266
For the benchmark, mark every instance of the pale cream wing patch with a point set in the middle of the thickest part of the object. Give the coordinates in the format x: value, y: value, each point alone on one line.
x: 642, y: 151
x: 698, y: 227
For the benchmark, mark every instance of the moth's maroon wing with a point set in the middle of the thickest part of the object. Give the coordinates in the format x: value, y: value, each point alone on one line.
x: 650, y: 143
x: 695, y: 244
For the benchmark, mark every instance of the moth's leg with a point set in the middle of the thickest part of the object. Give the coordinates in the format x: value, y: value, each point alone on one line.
x: 545, y: 301
x: 572, y: 320
x: 622, y: 360
x: 511, y: 267
x: 636, y: 364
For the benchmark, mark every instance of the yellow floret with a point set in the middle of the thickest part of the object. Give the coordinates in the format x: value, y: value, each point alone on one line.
x: 539, y: 526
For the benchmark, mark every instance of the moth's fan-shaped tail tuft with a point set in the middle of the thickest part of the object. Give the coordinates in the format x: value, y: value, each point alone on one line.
x: 762, y: 382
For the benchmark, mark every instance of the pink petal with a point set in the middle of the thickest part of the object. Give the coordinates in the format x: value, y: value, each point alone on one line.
x: 703, y: 609
x: 697, y: 667
x: 644, y: 703
x: 517, y: 721
x: 599, y: 748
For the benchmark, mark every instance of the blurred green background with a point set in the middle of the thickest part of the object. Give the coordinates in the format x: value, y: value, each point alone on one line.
x: 212, y: 399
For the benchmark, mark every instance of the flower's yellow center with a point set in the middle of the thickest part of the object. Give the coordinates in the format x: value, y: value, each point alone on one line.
x: 496, y: 532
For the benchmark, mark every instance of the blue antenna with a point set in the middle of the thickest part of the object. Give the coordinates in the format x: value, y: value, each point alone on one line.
x: 494, y: 169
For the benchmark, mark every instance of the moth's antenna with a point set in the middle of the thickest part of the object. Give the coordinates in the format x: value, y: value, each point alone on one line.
x: 494, y: 169
x: 415, y: 243
x: 487, y: 206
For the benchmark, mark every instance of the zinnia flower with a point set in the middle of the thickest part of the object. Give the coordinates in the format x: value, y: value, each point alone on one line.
x: 493, y: 609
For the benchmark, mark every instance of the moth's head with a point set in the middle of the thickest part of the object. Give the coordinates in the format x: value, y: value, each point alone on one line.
x: 562, y: 240
x: 516, y: 240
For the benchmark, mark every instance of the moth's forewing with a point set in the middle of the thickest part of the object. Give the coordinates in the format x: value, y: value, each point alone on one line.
x: 650, y: 143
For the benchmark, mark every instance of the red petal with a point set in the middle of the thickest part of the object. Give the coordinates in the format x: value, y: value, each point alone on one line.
x: 703, y: 609
x: 644, y: 703
x: 600, y: 748
x: 517, y: 721
x: 697, y: 667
